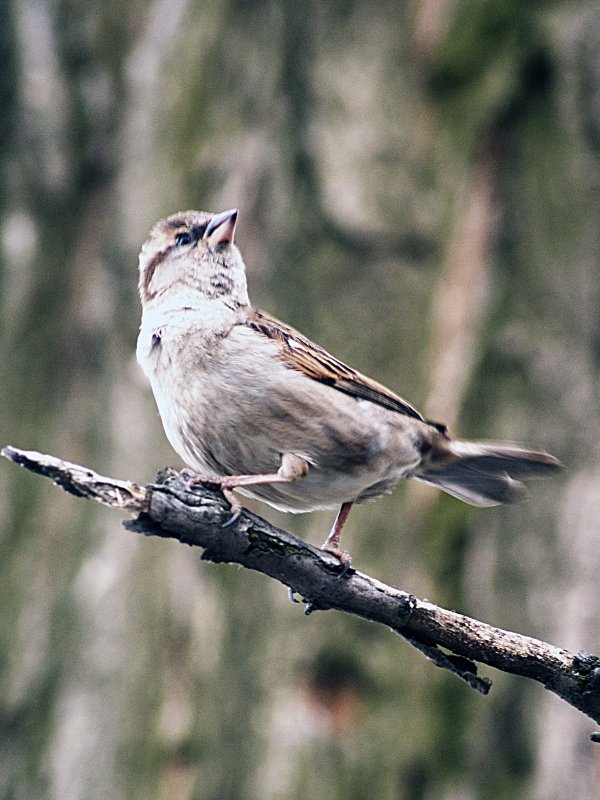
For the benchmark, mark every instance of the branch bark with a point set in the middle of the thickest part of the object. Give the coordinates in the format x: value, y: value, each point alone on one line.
x: 452, y: 641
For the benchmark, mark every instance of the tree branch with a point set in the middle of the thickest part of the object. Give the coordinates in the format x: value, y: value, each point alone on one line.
x: 452, y: 641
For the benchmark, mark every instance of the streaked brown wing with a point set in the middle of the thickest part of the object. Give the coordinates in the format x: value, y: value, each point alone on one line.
x: 301, y: 354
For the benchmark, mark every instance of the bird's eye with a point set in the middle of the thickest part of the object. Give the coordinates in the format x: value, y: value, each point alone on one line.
x: 183, y: 238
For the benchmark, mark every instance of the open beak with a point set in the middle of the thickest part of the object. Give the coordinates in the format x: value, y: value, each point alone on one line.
x: 221, y: 228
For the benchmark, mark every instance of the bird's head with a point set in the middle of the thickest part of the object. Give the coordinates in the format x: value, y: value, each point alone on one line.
x: 193, y: 253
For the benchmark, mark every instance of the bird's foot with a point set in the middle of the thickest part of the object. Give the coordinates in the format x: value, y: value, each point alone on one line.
x: 224, y: 484
x: 292, y: 468
x: 344, y: 556
x: 332, y: 543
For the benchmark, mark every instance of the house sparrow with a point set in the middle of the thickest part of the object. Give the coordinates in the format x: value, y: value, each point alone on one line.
x: 251, y: 404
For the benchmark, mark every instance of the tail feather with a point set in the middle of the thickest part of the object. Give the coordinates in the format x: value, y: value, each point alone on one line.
x: 482, y: 473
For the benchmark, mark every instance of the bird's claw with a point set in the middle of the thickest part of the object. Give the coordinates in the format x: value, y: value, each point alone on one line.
x: 234, y: 504
x: 233, y: 518
x: 224, y: 486
x: 344, y: 556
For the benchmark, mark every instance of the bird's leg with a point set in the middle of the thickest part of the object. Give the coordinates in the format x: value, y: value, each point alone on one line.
x: 331, y: 544
x: 292, y: 468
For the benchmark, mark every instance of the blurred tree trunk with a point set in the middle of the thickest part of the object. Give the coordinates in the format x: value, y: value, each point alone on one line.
x: 418, y: 188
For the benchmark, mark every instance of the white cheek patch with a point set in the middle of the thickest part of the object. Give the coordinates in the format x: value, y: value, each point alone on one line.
x: 166, y: 274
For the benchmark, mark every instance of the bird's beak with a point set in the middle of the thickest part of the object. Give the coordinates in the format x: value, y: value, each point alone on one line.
x: 221, y: 228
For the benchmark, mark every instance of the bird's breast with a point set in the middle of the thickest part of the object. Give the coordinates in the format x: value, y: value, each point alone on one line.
x: 228, y: 409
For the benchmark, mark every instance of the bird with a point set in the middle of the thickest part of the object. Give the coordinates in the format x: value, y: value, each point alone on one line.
x: 251, y: 404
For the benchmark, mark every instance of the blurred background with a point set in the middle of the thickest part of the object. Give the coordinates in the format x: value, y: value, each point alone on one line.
x: 418, y: 191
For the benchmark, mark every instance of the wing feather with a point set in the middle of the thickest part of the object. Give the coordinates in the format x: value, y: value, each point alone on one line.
x: 301, y: 354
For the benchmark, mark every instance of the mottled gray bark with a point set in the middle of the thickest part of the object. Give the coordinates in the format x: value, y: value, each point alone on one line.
x: 199, y: 517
